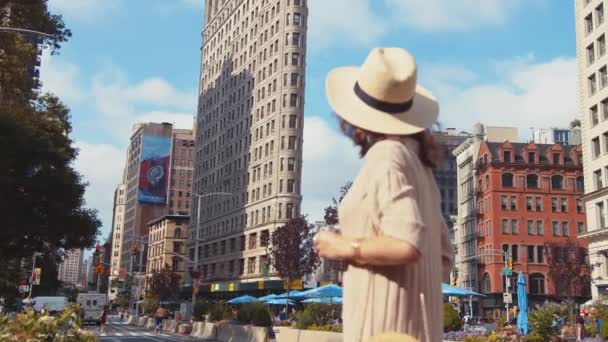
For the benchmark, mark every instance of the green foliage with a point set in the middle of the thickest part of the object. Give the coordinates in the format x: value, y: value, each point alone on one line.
x: 318, y: 315
x: 201, y: 308
x: 219, y: 312
x: 541, y: 320
x: 30, y: 326
x: 122, y: 301
x: 164, y: 283
x: 327, y: 328
x: 150, y: 304
x: 604, y: 332
x: 477, y: 339
x: 254, y: 313
x: 451, y: 321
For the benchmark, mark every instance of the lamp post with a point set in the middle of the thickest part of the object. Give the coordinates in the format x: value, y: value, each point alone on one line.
x: 198, y: 227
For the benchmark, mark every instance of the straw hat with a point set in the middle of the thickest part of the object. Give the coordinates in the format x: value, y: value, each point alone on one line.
x: 382, y: 96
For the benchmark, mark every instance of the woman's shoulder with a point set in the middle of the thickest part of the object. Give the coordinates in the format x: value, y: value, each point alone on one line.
x: 392, y: 153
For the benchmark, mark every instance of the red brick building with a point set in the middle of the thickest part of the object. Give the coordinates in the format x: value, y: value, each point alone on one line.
x: 527, y: 195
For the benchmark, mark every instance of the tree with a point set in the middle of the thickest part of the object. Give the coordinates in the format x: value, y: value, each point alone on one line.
x: 575, y: 123
x: 291, y: 250
x: 164, y: 283
x: 569, y: 270
x: 335, y: 267
x: 150, y: 304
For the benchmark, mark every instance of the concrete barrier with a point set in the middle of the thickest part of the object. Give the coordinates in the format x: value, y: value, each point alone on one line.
x: 209, y: 331
x: 132, y: 320
x: 236, y: 333
x: 184, y: 328
x: 197, y: 329
x: 296, y: 335
x: 150, y: 323
x: 142, y: 321
x: 170, y: 325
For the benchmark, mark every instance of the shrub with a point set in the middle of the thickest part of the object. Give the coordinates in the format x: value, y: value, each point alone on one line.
x: 201, y: 308
x: 541, y: 320
x: 451, y: 321
x: 305, y: 319
x: 327, y: 328
x: 29, y: 326
x: 150, y: 304
x: 254, y: 313
x: 219, y: 312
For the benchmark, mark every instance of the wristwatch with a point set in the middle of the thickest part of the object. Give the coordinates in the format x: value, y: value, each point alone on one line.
x: 356, y: 245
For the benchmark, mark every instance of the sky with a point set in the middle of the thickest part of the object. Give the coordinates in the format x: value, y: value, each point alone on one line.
x: 499, y: 62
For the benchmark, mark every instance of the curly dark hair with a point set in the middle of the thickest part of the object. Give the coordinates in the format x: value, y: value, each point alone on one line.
x: 431, y: 153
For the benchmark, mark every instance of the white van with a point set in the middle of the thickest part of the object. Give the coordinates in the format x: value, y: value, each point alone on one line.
x: 91, y: 305
x: 51, y: 304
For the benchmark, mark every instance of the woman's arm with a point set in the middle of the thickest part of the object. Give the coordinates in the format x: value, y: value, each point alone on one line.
x: 380, y: 250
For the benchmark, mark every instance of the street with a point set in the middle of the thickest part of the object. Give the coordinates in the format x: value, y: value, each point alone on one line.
x: 120, y: 331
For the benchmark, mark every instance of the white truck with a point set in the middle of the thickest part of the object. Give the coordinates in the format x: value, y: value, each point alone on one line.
x: 51, y: 305
x: 91, y: 305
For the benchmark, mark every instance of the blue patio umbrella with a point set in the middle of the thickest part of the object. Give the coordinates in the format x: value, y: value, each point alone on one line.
x: 280, y: 302
x: 242, y: 300
x: 324, y: 300
x: 267, y: 297
x: 292, y: 293
x: 522, y: 302
x: 453, y: 291
x: 330, y: 290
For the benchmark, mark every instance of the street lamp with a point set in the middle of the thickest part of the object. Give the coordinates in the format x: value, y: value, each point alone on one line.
x: 198, y: 227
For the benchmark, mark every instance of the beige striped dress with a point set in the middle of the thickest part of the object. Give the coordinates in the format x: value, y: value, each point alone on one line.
x: 395, y: 195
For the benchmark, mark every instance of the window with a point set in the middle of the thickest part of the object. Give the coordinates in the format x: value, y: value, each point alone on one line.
x: 264, y: 238
x: 242, y: 244
x: 590, y: 54
x: 592, y: 84
x: 597, y: 178
x: 251, y: 265
x: 539, y: 203
x: 554, y: 205
x: 503, y: 202
x: 530, y: 225
x: 557, y: 182
x: 296, y: 19
x: 601, y: 45
x: 531, y: 157
x: 564, y: 205
x: 515, y: 253
x: 532, y: 181
x: 292, y: 143
x: 507, y: 180
x: 505, y: 226
x: 293, y: 100
x: 289, y: 211
x: 295, y: 39
x: 290, y: 185
x: 579, y: 206
x: 291, y: 164
x: 537, y: 284
x: 485, y: 283
x: 294, y: 79
x: 580, y: 227
x: 603, y: 77
x: 241, y: 266
x: 507, y: 156
x: 529, y: 203
x: 540, y: 255
x: 556, y: 158
x: 295, y: 59
x: 565, y: 229
x: 601, y: 215
x: 513, y: 203
x: 530, y: 253
x: 555, y: 226
x: 599, y: 14
x: 588, y: 24
x: 232, y: 244
x: 514, y: 227
x: 595, y: 146
x: 292, y: 121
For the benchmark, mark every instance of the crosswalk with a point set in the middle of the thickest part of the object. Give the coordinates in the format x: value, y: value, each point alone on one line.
x: 120, y: 331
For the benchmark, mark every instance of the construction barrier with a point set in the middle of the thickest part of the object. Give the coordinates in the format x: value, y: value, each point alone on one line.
x: 142, y: 321
x: 235, y: 333
x: 150, y: 323
x: 132, y: 320
x: 197, y: 329
x: 184, y: 329
x: 209, y: 331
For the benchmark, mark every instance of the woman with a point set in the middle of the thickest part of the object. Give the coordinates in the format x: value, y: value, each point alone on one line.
x: 393, y: 234
x: 102, y: 319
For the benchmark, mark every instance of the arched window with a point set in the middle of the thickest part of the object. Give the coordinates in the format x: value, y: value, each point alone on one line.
x: 486, y: 284
x: 557, y: 182
x: 580, y: 184
x: 537, y: 284
x: 178, y: 233
x: 507, y: 180
x: 532, y: 181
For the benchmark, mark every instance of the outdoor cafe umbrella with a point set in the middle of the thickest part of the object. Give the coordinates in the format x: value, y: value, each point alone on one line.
x: 453, y: 291
x: 522, y: 302
x: 330, y: 290
x: 280, y: 301
x: 267, y: 297
x: 290, y: 294
x: 324, y: 300
x: 242, y: 300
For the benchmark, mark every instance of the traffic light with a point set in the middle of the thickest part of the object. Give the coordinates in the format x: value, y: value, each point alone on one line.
x: 454, y: 280
x: 510, y: 264
x: 100, y: 269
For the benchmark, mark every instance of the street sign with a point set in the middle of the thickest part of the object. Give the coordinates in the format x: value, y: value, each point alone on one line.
x: 507, y: 271
x: 507, y: 298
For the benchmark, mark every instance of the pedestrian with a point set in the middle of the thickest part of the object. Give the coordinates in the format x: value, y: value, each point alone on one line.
x: 393, y: 235
x: 161, y: 313
x: 466, y: 320
x: 122, y: 315
x: 580, y: 326
x: 102, y: 319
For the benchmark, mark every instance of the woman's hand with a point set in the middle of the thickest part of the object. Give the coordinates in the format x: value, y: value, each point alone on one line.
x: 333, y: 246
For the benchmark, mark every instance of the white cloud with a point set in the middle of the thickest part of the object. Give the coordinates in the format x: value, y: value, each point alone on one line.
x: 449, y: 15
x: 343, y: 23
x: 527, y: 94
x: 101, y: 165
x: 60, y: 78
x: 85, y: 10
x: 329, y: 160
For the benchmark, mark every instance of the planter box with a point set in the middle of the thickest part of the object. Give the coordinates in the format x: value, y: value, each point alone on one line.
x: 296, y: 335
x: 237, y: 333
